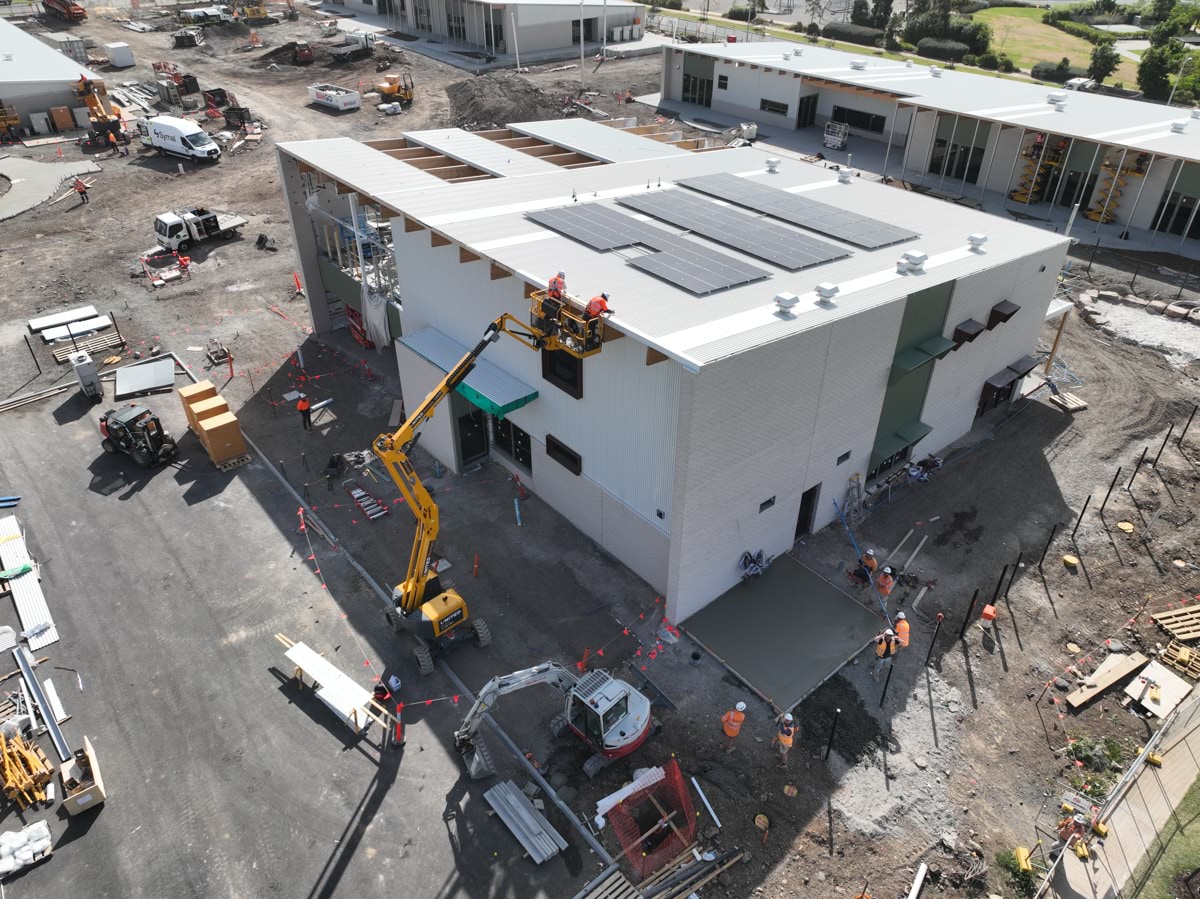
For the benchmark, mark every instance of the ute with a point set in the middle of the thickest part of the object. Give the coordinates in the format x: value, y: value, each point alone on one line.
x: 137, y: 432
x: 182, y: 229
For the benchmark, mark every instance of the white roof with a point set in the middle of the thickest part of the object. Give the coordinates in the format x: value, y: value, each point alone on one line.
x: 589, y: 4
x: 488, y: 218
x: 33, y: 61
x: 369, y: 171
x: 491, y: 157
x: 1110, y: 120
x: 597, y: 140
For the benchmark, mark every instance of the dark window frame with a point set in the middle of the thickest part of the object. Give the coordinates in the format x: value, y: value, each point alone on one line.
x: 765, y: 504
x: 516, y: 444
x: 844, y: 457
x: 774, y: 107
x: 722, y: 82
x: 552, y: 360
x: 856, y: 118
x: 564, y: 455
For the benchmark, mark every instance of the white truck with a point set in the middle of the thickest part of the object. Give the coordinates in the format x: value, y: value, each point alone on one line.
x: 339, y: 98
x: 183, y: 228
x: 178, y: 137
x: 208, y: 15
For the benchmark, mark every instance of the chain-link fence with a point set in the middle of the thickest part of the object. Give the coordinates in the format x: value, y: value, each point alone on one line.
x: 1148, y: 275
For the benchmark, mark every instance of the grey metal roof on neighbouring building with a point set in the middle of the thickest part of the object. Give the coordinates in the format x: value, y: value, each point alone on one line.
x: 488, y: 155
x: 367, y: 170
x: 24, y: 59
x: 597, y: 140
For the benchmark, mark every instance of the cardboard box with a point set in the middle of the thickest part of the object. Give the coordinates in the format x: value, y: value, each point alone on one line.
x: 206, y: 408
x: 222, y: 437
x: 192, y: 393
x: 88, y: 791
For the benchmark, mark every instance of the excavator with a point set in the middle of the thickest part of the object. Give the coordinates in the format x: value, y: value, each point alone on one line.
x: 420, y: 605
x: 612, y: 717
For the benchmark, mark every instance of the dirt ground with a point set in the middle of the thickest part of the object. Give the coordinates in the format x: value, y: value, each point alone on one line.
x: 953, y: 766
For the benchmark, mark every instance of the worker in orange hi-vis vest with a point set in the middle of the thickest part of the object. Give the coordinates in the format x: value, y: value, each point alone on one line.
x: 902, y: 629
x: 731, y: 724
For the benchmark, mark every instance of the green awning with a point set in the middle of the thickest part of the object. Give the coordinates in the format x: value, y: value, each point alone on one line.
x: 885, y: 448
x: 487, y: 386
x: 910, y: 360
x: 912, y: 433
x: 937, y: 347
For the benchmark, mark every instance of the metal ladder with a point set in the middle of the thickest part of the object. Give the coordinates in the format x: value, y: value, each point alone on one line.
x: 854, y: 499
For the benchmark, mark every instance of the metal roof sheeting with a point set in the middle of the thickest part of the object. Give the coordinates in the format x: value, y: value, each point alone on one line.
x: 598, y: 141
x: 367, y: 170
x: 489, y: 387
x: 33, y: 61
x: 491, y: 157
x: 26, y: 588
x: 1138, y: 125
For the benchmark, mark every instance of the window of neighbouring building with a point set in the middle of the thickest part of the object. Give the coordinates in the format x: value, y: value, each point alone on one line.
x: 563, y: 455
x: 697, y: 90
x: 722, y: 82
x: 855, y: 118
x: 564, y: 371
x: 772, y: 106
x: 513, y: 442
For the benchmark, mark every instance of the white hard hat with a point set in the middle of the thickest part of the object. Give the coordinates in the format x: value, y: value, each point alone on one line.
x: 788, y: 717
x: 900, y: 616
x: 887, y: 569
x: 889, y: 632
x: 741, y: 706
x: 870, y: 552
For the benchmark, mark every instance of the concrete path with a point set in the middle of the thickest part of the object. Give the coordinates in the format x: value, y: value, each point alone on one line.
x: 33, y: 183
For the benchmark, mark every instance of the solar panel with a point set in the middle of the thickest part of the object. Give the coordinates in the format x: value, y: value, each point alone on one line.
x: 732, y: 227
x: 675, y: 259
x: 868, y: 233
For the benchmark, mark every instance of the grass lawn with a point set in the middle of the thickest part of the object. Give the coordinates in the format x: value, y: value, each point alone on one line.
x: 1183, y: 851
x: 1021, y: 34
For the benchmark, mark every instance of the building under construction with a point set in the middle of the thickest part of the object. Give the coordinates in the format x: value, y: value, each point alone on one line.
x: 779, y: 328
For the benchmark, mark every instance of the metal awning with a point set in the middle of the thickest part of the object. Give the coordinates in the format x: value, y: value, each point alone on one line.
x: 937, y: 347
x: 967, y: 331
x: 1002, y: 312
x: 910, y: 434
x: 490, y: 388
x: 886, y: 447
x: 1002, y: 379
x: 1024, y: 365
x: 910, y: 360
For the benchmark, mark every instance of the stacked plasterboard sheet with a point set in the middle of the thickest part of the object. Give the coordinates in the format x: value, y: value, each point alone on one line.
x: 62, y: 318
x: 345, y: 698
x: 77, y: 329
x: 26, y: 589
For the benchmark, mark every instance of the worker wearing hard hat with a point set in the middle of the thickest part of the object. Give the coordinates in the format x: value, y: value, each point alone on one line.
x: 885, y: 651
x: 784, y: 738
x: 731, y: 724
x: 902, y: 630
x: 557, y: 289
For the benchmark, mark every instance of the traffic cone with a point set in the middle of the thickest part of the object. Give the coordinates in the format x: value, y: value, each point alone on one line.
x: 58, y: 147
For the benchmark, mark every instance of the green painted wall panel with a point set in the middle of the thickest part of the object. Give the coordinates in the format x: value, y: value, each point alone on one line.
x: 700, y: 66
x: 393, y: 318
x: 341, y: 285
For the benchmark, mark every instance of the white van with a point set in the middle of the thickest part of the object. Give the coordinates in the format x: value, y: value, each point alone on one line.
x: 178, y: 137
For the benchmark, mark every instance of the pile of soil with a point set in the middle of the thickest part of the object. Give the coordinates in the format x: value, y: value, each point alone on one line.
x: 491, y: 101
x: 282, y: 55
x: 228, y: 29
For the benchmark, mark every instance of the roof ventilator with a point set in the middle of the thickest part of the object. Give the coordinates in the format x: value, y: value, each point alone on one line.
x: 772, y: 164
x: 826, y: 291
x: 1179, y: 127
x: 1196, y: 113
x: 935, y: 71
x: 845, y: 176
x: 1056, y: 97
x: 858, y: 65
x: 908, y: 63
x: 976, y: 241
x: 787, y: 54
x: 785, y: 303
x: 1060, y: 106
x: 916, y: 260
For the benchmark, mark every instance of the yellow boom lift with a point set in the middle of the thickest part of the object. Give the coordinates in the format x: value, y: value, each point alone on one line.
x: 420, y: 605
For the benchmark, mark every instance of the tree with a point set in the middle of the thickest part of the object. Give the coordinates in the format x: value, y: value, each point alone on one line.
x: 881, y: 13
x: 919, y: 7
x: 860, y: 13
x: 815, y: 9
x: 1160, y: 10
x: 1105, y: 60
x: 1154, y: 73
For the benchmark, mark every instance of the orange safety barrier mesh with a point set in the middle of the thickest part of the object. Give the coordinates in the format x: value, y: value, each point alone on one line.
x: 638, y: 814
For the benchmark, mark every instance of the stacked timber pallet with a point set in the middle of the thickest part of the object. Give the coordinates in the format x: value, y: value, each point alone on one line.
x: 218, y: 428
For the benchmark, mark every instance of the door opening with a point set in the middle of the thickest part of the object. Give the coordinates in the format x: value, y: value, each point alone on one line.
x: 808, y: 511
x: 472, y: 436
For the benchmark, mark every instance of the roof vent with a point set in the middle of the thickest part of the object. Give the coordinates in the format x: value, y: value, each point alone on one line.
x: 1056, y: 97
x: 1196, y: 113
x: 844, y: 176
x: 1179, y: 127
x: 976, y: 240
x: 826, y: 291
x: 785, y: 302
x: 858, y: 64
x: 772, y: 164
x: 1060, y: 106
x: 935, y: 71
x: 916, y: 260
x: 787, y: 54
x: 901, y: 266
x: 908, y: 63
x: 8, y: 57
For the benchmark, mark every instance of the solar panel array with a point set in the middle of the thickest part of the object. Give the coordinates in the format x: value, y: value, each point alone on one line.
x: 676, y: 260
x: 868, y: 233
x: 732, y: 227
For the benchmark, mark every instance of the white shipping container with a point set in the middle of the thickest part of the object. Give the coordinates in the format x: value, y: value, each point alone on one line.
x: 119, y: 55
x: 339, y: 98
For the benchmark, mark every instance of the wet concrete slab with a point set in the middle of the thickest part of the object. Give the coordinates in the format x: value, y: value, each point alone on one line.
x: 786, y: 632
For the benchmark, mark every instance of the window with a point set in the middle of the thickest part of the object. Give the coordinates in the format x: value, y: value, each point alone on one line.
x: 563, y: 455
x: 722, y: 82
x: 765, y: 504
x: 615, y: 713
x: 844, y: 457
x: 889, y: 463
x: 697, y: 90
x: 773, y: 107
x: 856, y: 119
x: 512, y: 441
x: 564, y: 371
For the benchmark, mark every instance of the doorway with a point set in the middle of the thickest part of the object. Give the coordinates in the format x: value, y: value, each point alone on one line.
x: 806, y: 111
x: 472, y: 436
x: 808, y: 511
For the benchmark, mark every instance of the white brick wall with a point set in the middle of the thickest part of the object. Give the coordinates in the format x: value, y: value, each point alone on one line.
x: 417, y: 378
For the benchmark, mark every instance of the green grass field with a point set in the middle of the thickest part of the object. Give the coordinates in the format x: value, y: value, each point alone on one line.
x: 1182, y: 855
x: 1020, y: 33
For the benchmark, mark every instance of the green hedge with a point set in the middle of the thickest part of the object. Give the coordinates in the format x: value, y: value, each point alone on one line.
x: 853, y: 34
x: 1079, y: 29
x: 1058, y: 72
x: 976, y: 35
x: 740, y: 14
x: 936, y: 48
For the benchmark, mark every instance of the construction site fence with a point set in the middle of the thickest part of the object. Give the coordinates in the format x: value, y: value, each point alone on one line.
x: 1147, y: 277
x: 1170, y: 744
x: 629, y: 819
